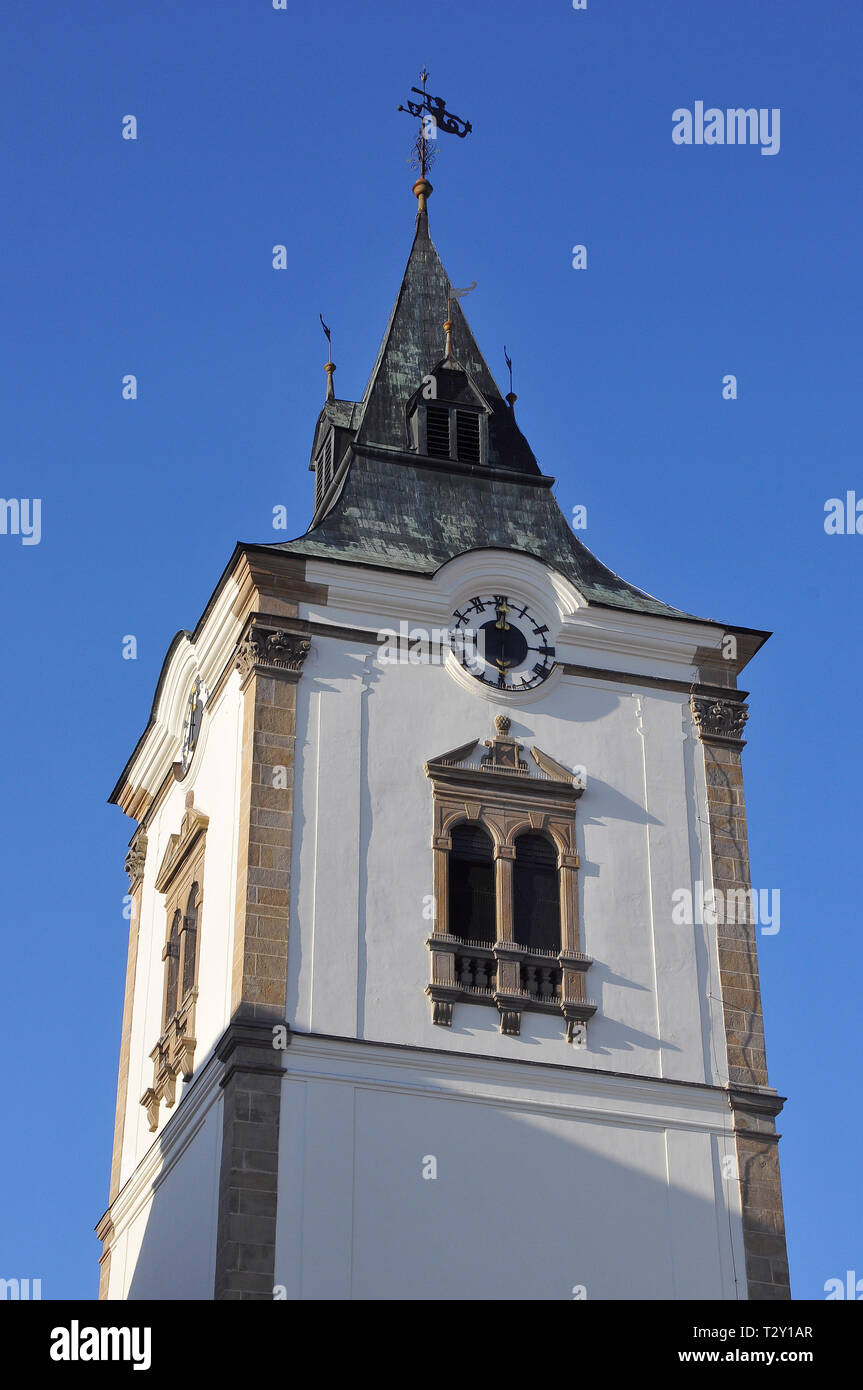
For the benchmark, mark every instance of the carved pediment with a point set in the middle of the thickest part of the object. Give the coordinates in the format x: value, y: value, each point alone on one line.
x: 503, y: 757
x: 192, y: 827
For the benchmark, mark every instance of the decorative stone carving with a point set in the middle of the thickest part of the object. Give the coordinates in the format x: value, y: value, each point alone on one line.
x: 510, y: 1022
x: 169, y: 1086
x: 151, y: 1103
x: 719, y: 719
x: 277, y: 650
x: 576, y: 1032
x: 136, y: 858
x: 504, y: 753
x: 184, y: 1053
x: 182, y: 866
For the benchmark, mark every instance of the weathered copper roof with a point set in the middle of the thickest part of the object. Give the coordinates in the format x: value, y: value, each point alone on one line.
x: 399, y: 513
x: 398, y: 510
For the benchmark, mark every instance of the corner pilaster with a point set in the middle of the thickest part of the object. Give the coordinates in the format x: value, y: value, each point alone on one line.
x: 270, y: 658
x: 753, y: 1102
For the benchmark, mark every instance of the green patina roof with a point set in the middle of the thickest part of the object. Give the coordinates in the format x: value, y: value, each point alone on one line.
x: 399, y: 511
x: 417, y: 517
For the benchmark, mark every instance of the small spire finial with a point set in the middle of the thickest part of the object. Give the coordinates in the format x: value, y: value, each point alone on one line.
x: 511, y: 397
x: 330, y: 366
x: 453, y: 293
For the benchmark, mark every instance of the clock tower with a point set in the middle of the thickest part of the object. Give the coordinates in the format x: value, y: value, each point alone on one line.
x: 410, y: 1011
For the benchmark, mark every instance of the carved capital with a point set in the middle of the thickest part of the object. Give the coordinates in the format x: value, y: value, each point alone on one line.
x: 136, y: 859
x: 274, y: 652
x: 720, y: 720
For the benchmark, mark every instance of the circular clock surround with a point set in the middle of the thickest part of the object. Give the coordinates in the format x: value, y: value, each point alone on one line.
x: 504, y: 645
x: 191, y: 726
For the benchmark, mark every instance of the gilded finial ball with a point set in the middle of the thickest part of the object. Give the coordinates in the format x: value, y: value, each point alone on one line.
x: 502, y: 723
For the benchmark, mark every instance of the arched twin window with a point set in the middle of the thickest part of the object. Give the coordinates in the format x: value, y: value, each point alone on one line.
x: 181, y: 956
x: 506, y: 922
x: 536, y: 889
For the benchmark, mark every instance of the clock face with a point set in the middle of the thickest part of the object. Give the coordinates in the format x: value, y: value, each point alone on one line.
x: 507, y: 647
x: 192, y: 726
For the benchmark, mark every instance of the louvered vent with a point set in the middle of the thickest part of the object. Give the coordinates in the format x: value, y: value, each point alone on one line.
x: 467, y: 436
x: 324, y: 469
x: 437, y: 431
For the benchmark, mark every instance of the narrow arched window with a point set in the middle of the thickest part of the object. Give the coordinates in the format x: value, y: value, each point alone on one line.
x: 536, y: 894
x: 471, y: 884
x: 172, y: 967
x: 190, y: 940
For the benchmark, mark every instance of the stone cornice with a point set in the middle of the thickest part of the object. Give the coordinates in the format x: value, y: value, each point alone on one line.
x: 752, y: 1101
x: 593, y: 1091
x: 247, y: 1046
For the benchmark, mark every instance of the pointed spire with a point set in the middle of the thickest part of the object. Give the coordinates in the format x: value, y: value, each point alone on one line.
x: 411, y: 348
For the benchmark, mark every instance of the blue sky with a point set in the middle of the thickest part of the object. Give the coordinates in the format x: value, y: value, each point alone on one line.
x: 154, y: 257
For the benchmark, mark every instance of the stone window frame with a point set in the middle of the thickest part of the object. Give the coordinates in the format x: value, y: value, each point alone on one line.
x: 507, y: 798
x: 182, y: 870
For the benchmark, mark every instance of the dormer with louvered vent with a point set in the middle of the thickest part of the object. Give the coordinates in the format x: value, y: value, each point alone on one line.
x: 448, y: 417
